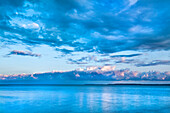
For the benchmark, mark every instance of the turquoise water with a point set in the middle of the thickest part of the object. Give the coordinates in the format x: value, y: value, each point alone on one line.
x: 84, y: 99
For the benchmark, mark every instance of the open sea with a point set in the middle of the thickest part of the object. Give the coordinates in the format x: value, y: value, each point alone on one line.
x: 85, y: 99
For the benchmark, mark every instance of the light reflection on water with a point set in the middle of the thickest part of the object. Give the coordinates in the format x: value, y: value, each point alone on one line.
x: 106, y: 99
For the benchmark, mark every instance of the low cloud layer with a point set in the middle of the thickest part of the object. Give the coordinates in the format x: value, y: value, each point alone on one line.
x: 91, y: 73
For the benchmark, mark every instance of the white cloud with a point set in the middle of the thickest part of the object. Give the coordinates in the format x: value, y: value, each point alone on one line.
x: 81, y: 16
x: 109, y: 37
x: 108, y: 68
x: 140, y: 29
x: 24, y: 23
x: 132, y: 2
x: 31, y: 26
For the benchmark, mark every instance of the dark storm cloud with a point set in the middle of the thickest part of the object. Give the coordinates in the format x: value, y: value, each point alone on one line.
x: 23, y: 53
x: 106, y: 26
x: 154, y: 63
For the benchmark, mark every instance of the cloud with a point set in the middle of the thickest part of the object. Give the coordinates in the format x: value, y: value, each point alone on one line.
x: 140, y: 29
x: 131, y: 55
x: 83, y: 60
x: 127, y: 61
x: 65, y: 51
x: 94, y: 59
x: 23, y: 53
x: 71, y: 61
x: 31, y: 26
x: 141, y: 25
x: 108, y: 68
x: 131, y: 3
x: 103, y: 60
x: 154, y: 63
x: 90, y: 73
x: 24, y: 23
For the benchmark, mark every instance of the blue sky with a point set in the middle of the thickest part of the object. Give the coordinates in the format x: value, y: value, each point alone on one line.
x: 47, y: 35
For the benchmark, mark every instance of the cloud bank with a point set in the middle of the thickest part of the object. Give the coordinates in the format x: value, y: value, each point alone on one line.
x: 91, y: 73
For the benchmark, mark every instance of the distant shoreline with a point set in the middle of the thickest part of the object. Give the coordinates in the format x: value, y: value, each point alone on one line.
x: 117, y: 84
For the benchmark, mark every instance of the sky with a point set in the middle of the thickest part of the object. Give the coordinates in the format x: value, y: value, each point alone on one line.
x: 39, y: 36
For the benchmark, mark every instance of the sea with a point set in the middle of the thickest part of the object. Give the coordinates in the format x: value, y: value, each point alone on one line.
x: 85, y: 99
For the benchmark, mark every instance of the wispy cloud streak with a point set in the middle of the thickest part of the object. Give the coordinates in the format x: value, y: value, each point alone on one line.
x: 131, y: 55
x: 23, y: 53
x: 154, y: 63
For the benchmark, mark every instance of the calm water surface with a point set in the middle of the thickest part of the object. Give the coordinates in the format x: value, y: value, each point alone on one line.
x: 84, y: 99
